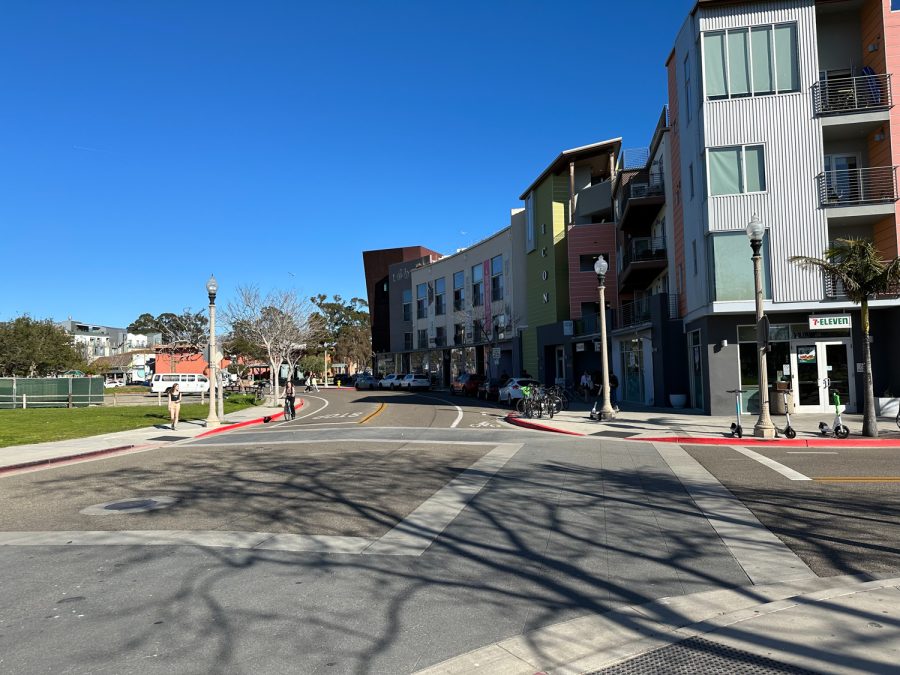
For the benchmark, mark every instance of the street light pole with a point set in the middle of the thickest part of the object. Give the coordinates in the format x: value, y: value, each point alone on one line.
x: 606, y: 410
x: 211, y: 287
x: 764, y: 427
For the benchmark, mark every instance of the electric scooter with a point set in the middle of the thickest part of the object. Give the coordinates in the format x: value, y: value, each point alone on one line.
x: 789, y: 431
x: 838, y: 428
x: 736, y: 429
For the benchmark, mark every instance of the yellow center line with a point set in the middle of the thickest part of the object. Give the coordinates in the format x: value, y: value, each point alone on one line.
x: 858, y: 479
x: 377, y: 411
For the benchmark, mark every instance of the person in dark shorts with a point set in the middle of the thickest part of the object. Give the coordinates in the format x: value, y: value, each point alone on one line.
x: 174, y: 404
x: 289, y: 398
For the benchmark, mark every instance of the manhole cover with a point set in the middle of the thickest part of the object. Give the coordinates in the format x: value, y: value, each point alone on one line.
x: 697, y: 655
x: 133, y: 505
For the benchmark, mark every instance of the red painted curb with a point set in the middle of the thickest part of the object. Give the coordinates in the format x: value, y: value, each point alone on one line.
x: 247, y: 423
x: 67, y: 458
x: 512, y: 418
x: 785, y: 442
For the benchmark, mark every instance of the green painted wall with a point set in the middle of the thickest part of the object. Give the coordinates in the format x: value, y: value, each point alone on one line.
x: 551, y: 206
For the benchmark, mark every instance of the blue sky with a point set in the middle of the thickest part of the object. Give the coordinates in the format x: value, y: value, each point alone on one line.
x: 145, y: 144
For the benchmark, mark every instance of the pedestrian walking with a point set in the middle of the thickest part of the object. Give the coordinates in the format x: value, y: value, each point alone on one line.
x: 289, y: 398
x: 312, y: 380
x: 174, y: 404
x: 587, y: 384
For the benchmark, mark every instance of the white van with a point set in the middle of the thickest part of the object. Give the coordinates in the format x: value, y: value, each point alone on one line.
x: 188, y: 383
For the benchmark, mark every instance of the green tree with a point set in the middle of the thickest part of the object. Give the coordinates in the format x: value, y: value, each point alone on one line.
x: 858, y: 266
x: 345, y: 328
x: 145, y: 323
x: 33, y: 348
x: 311, y: 362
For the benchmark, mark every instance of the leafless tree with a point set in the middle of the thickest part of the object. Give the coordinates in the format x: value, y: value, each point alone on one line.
x: 278, y: 323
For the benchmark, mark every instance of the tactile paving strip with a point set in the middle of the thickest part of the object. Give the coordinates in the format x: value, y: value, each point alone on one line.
x: 697, y: 655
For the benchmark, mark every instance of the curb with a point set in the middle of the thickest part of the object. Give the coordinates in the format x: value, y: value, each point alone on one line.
x: 247, y: 423
x: 513, y: 418
x: 598, y: 641
x: 775, y: 442
x: 49, y: 461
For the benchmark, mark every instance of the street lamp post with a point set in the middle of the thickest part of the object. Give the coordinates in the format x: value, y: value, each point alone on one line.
x: 764, y: 427
x: 600, y: 267
x: 211, y: 287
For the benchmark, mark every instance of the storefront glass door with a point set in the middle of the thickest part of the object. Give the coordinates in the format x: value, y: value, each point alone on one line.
x: 820, y: 368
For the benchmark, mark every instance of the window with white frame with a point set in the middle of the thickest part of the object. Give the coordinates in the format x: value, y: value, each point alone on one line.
x: 737, y: 169
x: 440, y: 287
x: 407, y: 304
x: 421, y: 301
x: 477, y: 285
x: 459, y: 291
x: 497, y: 278
x: 751, y: 61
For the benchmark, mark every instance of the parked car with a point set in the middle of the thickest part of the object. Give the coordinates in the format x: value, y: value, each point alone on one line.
x: 512, y: 390
x: 466, y: 383
x: 114, y: 383
x: 391, y: 381
x: 346, y: 379
x: 489, y: 390
x: 365, y: 381
x: 415, y: 381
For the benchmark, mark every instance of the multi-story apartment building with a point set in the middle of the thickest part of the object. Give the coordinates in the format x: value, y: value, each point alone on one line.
x: 96, y: 341
x: 467, y: 308
x: 569, y: 222
x: 782, y: 109
x: 647, y: 339
x: 377, y: 265
x: 396, y: 359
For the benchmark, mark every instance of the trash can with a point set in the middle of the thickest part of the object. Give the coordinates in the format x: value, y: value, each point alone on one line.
x: 777, y: 400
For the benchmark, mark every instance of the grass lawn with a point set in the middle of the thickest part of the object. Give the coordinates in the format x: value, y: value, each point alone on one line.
x: 37, y: 425
x: 130, y: 389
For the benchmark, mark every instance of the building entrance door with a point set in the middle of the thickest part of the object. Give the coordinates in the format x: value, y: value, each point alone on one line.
x: 818, y: 368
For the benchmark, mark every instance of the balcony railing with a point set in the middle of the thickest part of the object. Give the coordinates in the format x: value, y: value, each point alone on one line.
x: 643, y: 249
x: 852, y: 94
x: 634, y: 313
x: 853, y: 187
x: 645, y: 184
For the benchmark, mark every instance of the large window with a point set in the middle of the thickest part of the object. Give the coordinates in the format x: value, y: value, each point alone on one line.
x: 407, y: 304
x: 731, y: 272
x: 688, y: 103
x: 440, y: 289
x: 459, y: 291
x: 586, y: 261
x: 736, y: 170
x: 407, y: 341
x: 477, y: 285
x: 529, y: 223
x: 497, y: 278
x: 459, y: 333
x: 751, y: 61
x: 421, y: 301
x: 440, y: 336
x: 423, y: 339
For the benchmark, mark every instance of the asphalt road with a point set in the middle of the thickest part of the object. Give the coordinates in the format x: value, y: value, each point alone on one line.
x: 844, y: 520
x: 377, y: 532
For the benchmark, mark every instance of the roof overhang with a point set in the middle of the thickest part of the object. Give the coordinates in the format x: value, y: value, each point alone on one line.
x: 613, y: 145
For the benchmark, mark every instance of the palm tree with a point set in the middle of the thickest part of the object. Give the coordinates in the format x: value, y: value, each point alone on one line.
x: 860, y: 269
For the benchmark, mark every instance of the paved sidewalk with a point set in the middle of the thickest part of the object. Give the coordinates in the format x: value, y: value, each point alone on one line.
x: 678, y: 426
x: 828, y: 625
x: 22, y: 456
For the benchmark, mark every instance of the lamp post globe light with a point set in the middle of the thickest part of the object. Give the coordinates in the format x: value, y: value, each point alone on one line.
x: 211, y: 287
x: 600, y: 268
x: 764, y: 427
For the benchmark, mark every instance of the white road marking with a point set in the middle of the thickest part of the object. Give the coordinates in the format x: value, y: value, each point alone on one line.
x: 810, y: 452
x: 459, y: 410
x: 785, y: 471
x: 313, y: 412
x: 410, y: 537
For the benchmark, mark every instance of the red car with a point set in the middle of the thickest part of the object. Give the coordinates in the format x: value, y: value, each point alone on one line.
x: 466, y: 383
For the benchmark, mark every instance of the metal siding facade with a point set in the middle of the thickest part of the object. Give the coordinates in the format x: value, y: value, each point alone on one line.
x: 792, y: 137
